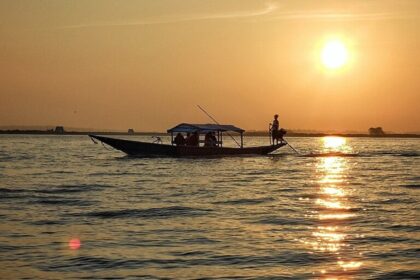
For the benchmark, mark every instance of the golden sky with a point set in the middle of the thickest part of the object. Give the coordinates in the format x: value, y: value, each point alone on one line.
x: 146, y: 64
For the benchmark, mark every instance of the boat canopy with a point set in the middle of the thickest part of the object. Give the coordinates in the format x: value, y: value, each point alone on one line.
x: 204, y: 128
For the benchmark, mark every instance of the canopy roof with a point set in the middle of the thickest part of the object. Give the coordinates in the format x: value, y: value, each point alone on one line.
x: 204, y: 128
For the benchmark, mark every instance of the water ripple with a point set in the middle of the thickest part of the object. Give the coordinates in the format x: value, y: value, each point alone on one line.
x: 165, y: 212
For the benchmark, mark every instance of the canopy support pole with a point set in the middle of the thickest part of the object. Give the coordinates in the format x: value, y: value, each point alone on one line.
x: 172, y: 138
x: 242, y: 140
x: 213, y: 119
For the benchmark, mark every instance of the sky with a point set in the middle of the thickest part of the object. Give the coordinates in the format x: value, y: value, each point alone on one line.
x: 119, y: 64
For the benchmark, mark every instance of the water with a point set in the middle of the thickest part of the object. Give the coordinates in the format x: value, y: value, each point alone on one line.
x: 345, y: 209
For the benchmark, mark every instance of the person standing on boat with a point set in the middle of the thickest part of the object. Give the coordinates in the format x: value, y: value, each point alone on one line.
x: 275, y: 129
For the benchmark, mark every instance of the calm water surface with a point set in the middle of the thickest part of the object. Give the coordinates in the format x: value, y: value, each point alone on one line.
x: 345, y: 209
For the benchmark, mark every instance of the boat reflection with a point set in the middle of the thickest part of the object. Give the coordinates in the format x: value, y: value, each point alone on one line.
x: 334, y: 211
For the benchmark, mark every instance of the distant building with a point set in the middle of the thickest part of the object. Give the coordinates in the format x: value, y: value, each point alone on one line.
x: 59, y: 130
x: 376, y: 131
x: 130, y: 131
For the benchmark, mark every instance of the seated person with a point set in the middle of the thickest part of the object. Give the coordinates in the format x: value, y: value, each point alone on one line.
x: 193, y: 140
x: 179, y: 140
x: 207, y: 140
x: 210, y: 140
x: 213, y: 139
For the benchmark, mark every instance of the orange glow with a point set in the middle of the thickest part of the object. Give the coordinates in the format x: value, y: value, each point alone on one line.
x: 332, y: 191
x: 122, y: 56
x: 74, y: 243
x: 349, y: 265
x: 334, y: 142
x: 334, y: 54
x: 331, y: 204
x: 330, y: 236
x: 336, y: 216
x: 333, y: 167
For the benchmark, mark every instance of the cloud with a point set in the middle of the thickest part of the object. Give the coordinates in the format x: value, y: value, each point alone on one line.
x: 335, y: 16
x: 269, y: 8
x: 269, y: 12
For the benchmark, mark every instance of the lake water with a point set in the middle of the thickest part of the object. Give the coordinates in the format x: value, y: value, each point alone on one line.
x: 344, y: 209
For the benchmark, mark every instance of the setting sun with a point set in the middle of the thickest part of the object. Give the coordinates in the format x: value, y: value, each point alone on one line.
x: 334, y: 54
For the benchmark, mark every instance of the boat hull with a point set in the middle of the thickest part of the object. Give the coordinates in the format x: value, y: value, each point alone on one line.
x: 138, y: 148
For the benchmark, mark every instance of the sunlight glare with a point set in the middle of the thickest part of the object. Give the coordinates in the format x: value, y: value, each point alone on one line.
x: 331, y: 204
x: 332, y: 191
x: 334, y: 54
x: 349, y: 265
x: 334, y: 141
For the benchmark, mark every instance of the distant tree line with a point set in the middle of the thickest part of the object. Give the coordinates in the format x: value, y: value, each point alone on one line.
x: 376, y: 131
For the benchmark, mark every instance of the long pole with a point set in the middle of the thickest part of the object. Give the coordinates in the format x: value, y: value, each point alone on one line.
x: 291, y: 147
x: 213, y: 119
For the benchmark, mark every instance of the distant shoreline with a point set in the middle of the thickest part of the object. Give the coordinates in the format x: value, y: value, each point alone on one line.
x: 250, y: 133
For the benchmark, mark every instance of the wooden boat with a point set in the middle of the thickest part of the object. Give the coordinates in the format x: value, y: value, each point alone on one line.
x: 138, y: 148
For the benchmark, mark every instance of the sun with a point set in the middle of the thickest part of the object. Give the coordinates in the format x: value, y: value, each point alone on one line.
x: 334, y: 55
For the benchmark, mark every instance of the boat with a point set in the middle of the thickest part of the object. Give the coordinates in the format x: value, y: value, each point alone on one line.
x: 147, y: 149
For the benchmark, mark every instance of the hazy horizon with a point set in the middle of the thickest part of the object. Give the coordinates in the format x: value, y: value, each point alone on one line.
x: 86, y: 129
x: 146, y: 64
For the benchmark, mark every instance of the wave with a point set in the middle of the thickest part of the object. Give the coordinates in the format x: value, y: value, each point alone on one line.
x: 8, y: 247
x: 400, y: 274
x: 331, y: 154
x: 101, y: 174
x: 62, y: 201
x: 403, y: 200
x: 362, y: 154
x: 165, y: 212
x: 7, y: 190
x: 45, y: 222
x: 411, y: 186
x: 406, y: 228
x: 42, y: 196
x: 6, y: 193
x: 401, y: 253
x: 286, y: 257
x: 394, y: 153
x: 387, y: 239
x: 71, y: 189
x: 21, y: 157
x: 283, y: 221
x: 246, y: 201
x: 200, y: 240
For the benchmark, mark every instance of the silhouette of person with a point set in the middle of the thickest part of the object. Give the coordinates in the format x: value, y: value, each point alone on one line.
x: 193, y: 139
x: 275, y: 129
x: 210, y: 140
x: 179, y: 140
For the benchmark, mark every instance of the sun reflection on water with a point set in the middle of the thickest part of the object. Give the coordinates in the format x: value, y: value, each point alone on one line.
x: 331, y: 204
x: 333, y: 141
x: 335, y: 144
x: 349, y: 265
x: 333, y: 208
x: 333, y: 191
